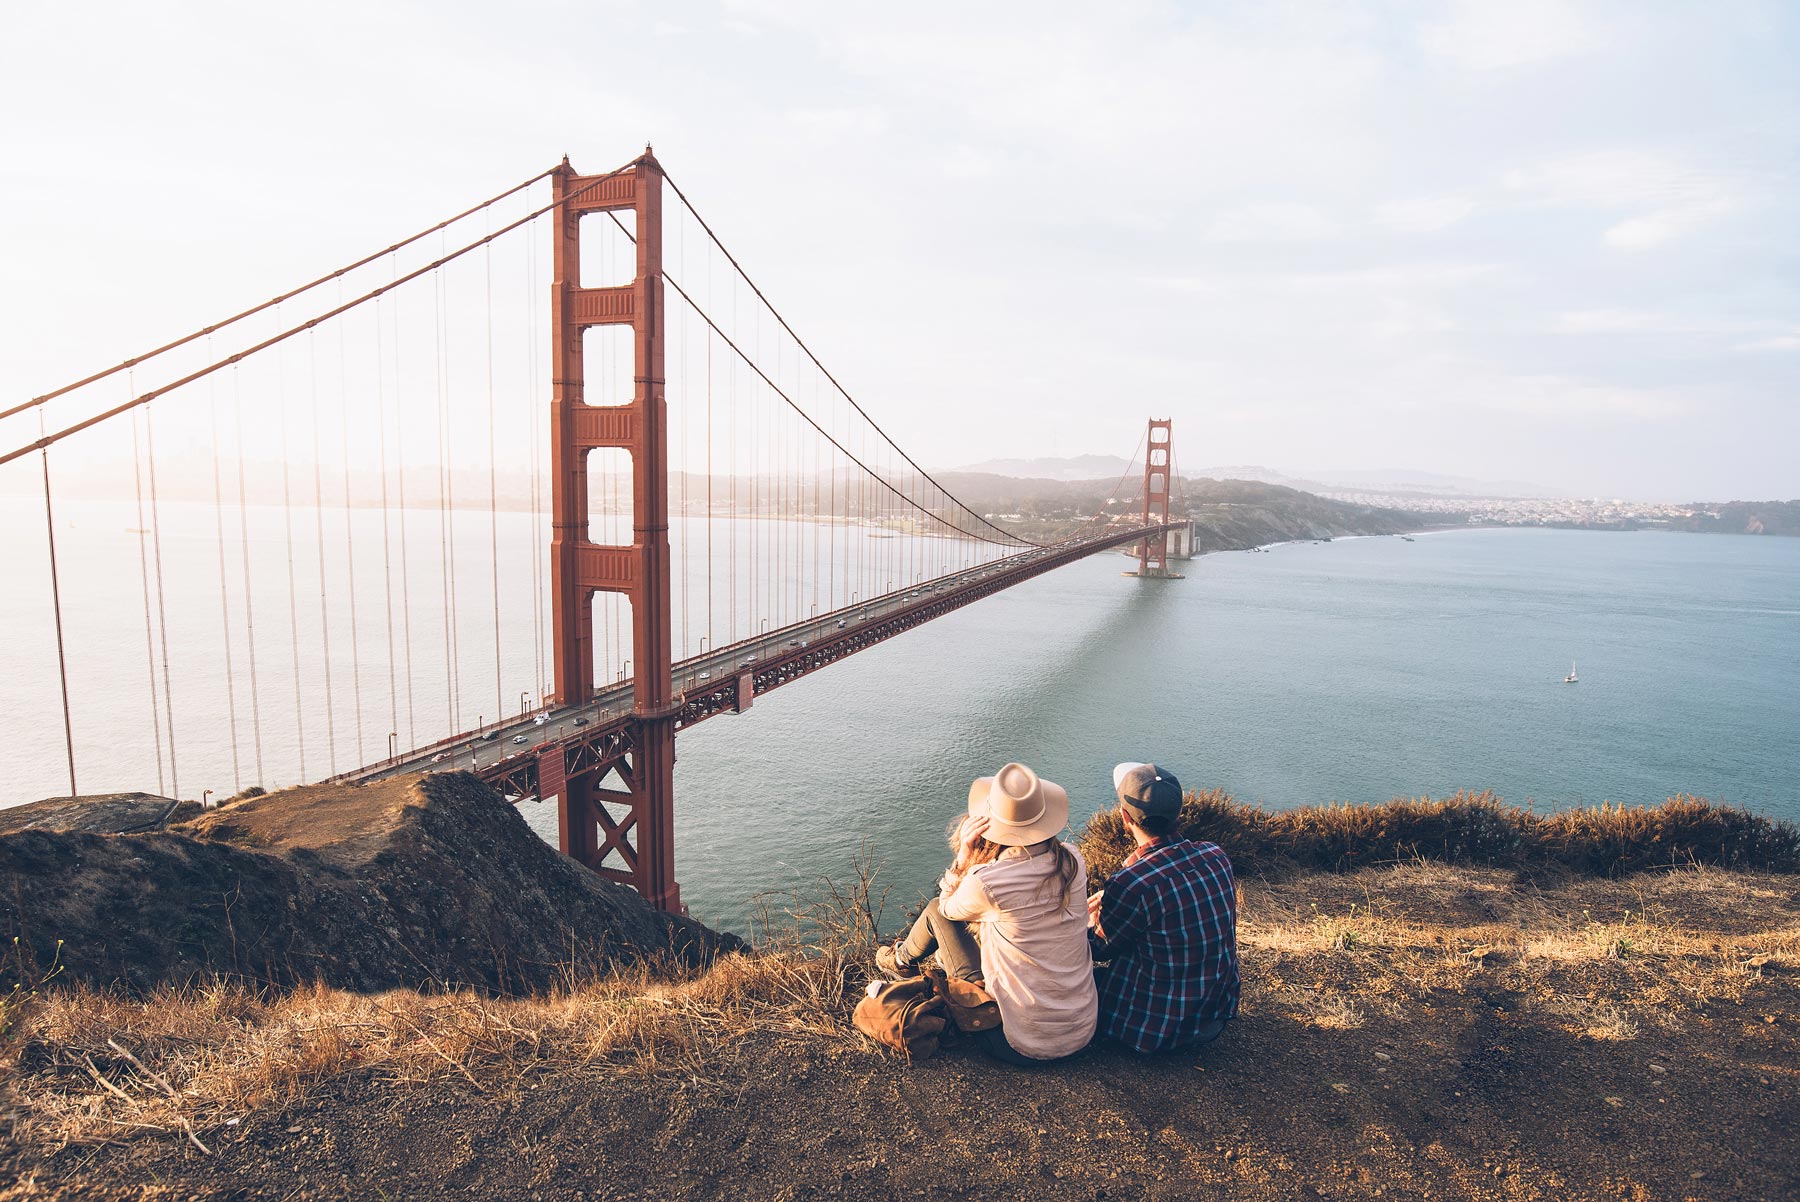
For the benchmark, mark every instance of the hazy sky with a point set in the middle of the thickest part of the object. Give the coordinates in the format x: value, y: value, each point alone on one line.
x: 1557, y: 242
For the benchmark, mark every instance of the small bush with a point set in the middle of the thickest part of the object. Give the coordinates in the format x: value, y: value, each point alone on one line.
x: 1466, y: 828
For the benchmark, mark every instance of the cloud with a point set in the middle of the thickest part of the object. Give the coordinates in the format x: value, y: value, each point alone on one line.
x: 1489, y: 35
x: 1271, y: 221
x: 1781, y: 342
x: 1609, y: 321
x: 1423, y: 214
x: 1672, y: 198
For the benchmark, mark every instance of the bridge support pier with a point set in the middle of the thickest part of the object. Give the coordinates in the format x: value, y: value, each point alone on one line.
x: 579, y: 569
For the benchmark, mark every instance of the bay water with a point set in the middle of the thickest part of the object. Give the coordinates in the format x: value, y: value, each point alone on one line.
x: 1357, y: 670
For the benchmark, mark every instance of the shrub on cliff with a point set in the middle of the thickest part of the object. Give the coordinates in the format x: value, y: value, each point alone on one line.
x: 1466, y: 828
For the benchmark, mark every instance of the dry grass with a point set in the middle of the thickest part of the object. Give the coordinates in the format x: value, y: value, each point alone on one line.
x: 1468, y: 828
x: 93, y: 1066
x: 1373, y: 954
x: 1601, y: 960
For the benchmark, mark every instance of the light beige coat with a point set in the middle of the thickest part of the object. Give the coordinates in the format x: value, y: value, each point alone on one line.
x: 1034, y: 947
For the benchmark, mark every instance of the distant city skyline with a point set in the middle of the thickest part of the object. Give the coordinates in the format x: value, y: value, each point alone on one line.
x: 1543, y: 241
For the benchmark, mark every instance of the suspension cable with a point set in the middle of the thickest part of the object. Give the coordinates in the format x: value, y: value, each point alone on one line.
x: 312, y: 351
x: 162, y: 609
x: 349, y: 543
x: 493, y: 484
x: 726, y: 339
x: 62, y: 663
x: 209, y: 369
x: 287, y: 523
x: 212, y: 398
x: 822, y: 368
x: 137, y: 481
x: 249, y: 608
x: 268, y: 304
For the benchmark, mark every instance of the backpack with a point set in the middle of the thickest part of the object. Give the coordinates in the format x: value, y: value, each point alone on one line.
x: 910, y: 1016
x: 972, y: 1008
x: 907, y: 1016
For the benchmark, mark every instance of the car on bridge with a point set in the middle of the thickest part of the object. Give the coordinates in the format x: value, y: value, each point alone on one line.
x: 520, y: 739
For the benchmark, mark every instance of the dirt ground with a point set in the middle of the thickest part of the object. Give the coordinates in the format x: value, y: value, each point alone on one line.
x: 1416, y: 1032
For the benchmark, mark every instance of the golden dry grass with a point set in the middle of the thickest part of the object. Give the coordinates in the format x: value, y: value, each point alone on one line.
x: 1467, y: 828
x: 90, y: 1066
x: 1604, y: 961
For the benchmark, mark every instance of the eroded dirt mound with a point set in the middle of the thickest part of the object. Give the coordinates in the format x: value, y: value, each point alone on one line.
x: 414, y: 882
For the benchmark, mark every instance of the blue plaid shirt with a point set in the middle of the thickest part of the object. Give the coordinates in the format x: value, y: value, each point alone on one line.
x: 1170, y: 917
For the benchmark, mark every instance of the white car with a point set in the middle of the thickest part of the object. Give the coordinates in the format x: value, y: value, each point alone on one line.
x: 519, y: 739
x: 541, y: 719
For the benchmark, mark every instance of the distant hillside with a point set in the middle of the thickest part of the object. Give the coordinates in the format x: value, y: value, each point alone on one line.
x: 1743, y: 517
x: 1230, y: 514
x: 1077, y: 468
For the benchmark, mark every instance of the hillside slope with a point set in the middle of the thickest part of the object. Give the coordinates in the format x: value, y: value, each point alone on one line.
x: 412, y: 882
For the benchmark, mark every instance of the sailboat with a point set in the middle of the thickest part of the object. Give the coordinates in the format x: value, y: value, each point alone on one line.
x: 1571, y: 677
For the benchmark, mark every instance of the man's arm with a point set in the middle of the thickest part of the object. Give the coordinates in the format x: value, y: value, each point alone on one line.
x: 1123, y: 920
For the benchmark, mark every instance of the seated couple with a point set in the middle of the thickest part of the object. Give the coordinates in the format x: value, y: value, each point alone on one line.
x: 1012, y: 915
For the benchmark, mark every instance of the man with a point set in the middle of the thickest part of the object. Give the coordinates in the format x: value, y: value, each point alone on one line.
x: 1167, y: 922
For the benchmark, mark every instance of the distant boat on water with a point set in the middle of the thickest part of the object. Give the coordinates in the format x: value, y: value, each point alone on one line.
x: 1571, y: 678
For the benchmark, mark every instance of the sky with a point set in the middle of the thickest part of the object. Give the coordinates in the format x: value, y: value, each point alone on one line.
x: 1536, y: 240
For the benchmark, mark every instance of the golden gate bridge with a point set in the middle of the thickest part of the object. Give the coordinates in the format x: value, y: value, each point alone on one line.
x: 679, y: 400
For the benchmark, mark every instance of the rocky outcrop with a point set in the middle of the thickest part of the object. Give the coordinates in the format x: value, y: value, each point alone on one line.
x: 425, y: 881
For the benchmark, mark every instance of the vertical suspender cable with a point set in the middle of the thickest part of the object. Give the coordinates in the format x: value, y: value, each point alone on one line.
x: 162, y: 610
x: 437, y: 353
x: 412, y: 724
x: 349, y: 543
x: 312, y: 352
x: 62, y: 664
x: 249, y: 610
x: 531, y: 425
x: 287, y: 521
x: 212, y: 397
x: 387, y: 565
x: 493, y: 478
x: 137, y: 481
x: 686, y: 460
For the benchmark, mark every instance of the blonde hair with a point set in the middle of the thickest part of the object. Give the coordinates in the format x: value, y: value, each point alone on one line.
x: 984, y: 852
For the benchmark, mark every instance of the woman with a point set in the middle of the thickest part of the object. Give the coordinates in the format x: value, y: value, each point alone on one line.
x: 1011, y: 913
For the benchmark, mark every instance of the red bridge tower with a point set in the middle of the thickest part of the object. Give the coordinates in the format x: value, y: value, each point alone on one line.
x: 596, y: 821
x: 1153, y: 552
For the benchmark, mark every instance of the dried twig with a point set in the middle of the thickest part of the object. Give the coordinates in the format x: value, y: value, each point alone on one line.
x: 187, y: 1127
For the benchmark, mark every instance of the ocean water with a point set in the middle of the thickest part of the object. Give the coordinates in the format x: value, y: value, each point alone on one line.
x: 1359, y: 670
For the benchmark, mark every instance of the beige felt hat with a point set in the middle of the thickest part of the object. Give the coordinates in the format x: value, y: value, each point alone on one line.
x: 1021, y: 808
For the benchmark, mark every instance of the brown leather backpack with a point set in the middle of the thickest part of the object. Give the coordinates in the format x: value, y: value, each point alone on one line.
x: 907, y: 1016
x: 972, y: 1008
x: 910, y: 1016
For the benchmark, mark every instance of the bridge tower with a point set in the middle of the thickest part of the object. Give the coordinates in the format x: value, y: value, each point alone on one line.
x: 1153, y: 552
x: 595, y: 821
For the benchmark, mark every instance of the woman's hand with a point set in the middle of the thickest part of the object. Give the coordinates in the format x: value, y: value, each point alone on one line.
x: 1093, y: 907
x: 974, y: 828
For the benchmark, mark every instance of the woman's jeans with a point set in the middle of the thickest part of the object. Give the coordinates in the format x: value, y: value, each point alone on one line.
x: 957, y: 952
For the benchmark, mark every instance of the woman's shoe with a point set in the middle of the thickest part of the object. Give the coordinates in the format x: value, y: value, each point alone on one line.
x: 887, y: 960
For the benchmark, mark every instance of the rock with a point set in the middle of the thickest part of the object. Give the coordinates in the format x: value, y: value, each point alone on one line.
x: 1658, y: 1069
x: 423, y: 881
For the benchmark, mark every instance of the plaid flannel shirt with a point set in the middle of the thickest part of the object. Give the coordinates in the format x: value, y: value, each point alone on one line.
x: 1170, y: 918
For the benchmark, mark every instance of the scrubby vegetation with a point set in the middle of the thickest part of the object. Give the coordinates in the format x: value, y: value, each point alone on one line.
x: 1468, y: 828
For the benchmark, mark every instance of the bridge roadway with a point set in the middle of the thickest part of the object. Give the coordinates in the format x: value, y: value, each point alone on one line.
x: 510, y: 754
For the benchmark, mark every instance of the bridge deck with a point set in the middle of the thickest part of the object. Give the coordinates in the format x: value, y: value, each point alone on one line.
x: 537, y: 751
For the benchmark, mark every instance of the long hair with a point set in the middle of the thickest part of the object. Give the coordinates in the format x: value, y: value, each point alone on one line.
x: 1067, y: 866
x: 987, y: 851
x: 984, y: 852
